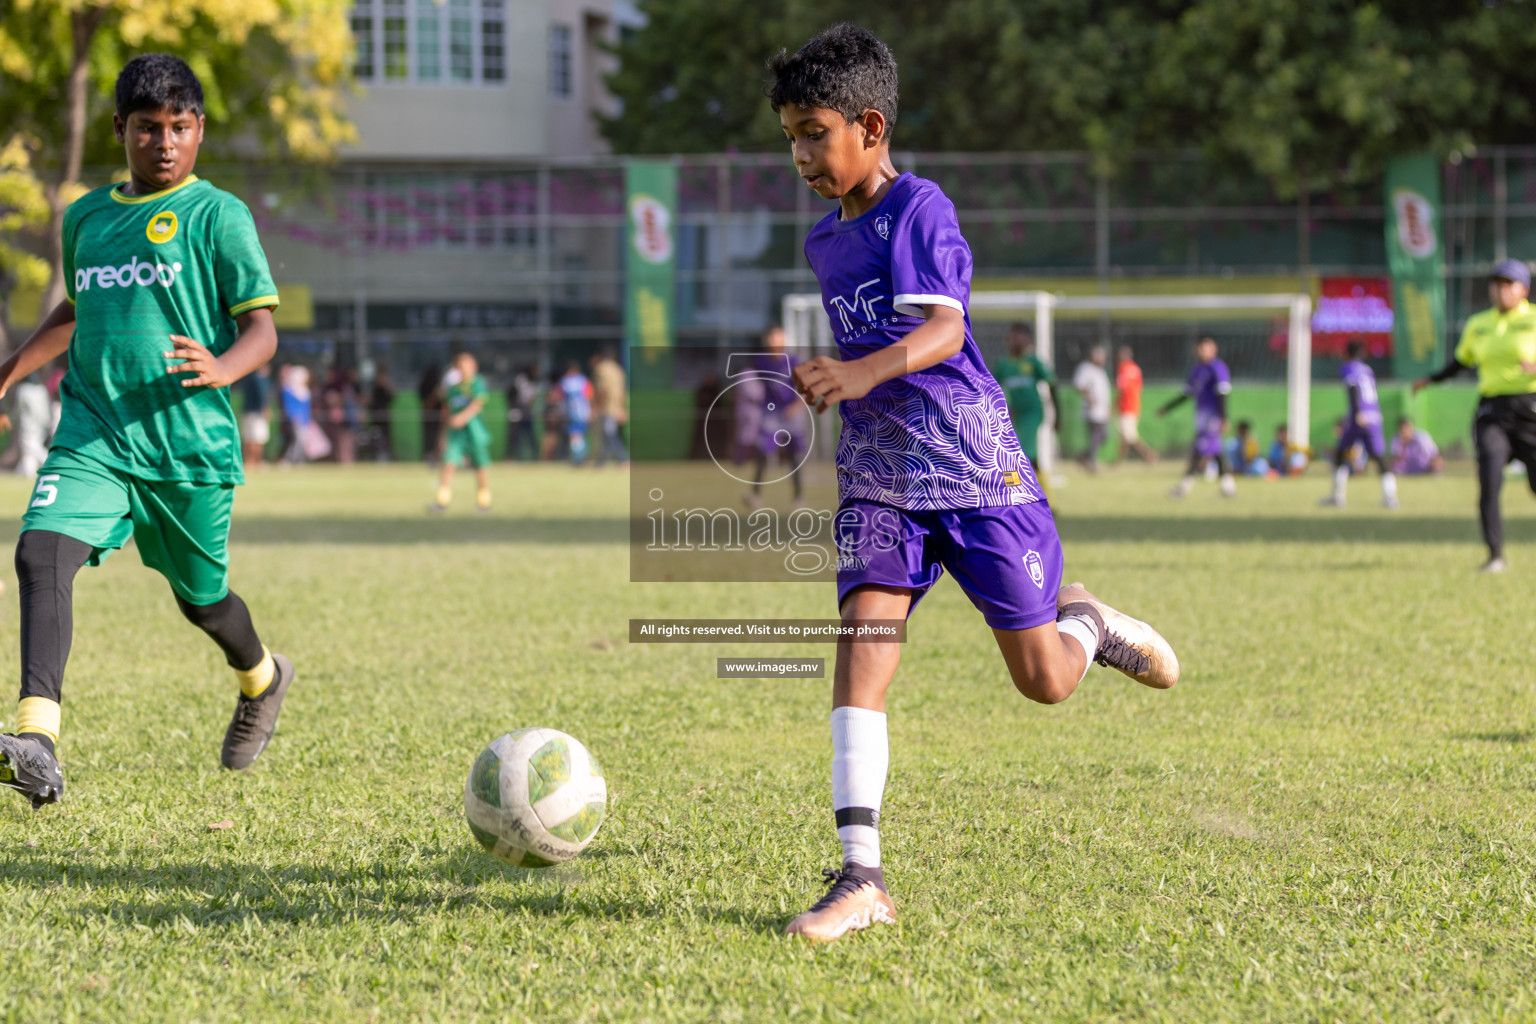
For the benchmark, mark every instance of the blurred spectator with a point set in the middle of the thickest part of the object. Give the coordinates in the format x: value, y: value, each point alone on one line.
x: 342, y: 418
x: 522, y: 397
x: 711, y: 422
x: 1092, y: 382
x: 308, y: 441
x: 747, y: 397
x: 33, y: 423
x: 1285, y: 458
x: 381, y: 423
x: 1414, y: 452
x: 576, y: 390
x: 612, y: 407
x: 1128, y: 402
x: 557, y: 443
x: 1243, y: 452
x: 428, y: 389
x: 256, y: 415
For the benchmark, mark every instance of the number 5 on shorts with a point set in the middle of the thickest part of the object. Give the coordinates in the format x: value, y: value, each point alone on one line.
x: 47, y: 493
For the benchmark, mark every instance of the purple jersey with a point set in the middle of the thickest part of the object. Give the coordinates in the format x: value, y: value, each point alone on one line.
x: 934, y: 439
x: 1209, y: 384
x: 1360, y: 384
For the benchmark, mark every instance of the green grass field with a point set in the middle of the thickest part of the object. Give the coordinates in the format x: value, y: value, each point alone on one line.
x: 1329, y: 819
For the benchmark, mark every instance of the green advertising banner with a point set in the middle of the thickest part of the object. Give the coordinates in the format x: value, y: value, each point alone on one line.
x: 1416, y: 257
x: 650, y: 188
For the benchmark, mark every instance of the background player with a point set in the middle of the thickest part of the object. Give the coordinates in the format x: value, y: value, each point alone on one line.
x: 1021, y: 373
x: 147, y: 445
x: 468, y: 437
x: 1128, y: 405
x: 1362, y: 426
x: 1209, y: 384
x: 783, y: 423
x: 920, y: 491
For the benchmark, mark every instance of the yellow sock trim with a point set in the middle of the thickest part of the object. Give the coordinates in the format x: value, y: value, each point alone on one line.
x: 38, y: 714
x: 483, y: 498
x: 254, y: 682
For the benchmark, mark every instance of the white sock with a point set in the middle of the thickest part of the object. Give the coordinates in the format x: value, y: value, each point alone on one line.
x: 1185, y: 485
x: 1085, y: 632
x: 861, y: 755
x: 1389, y: 486
x: 1340, y: 481
x: 1228, y: 484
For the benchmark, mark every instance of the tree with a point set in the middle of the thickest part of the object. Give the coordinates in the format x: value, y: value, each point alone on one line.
x: 273, y: 73
x: 1308, y: 93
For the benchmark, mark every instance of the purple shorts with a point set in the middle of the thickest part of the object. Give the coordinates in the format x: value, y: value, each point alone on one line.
x: 1208, y: 439
x: 1007, y: 559
x: 1370, y: 437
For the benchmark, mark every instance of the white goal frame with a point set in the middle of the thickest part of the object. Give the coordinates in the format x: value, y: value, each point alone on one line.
x: 807, y: 328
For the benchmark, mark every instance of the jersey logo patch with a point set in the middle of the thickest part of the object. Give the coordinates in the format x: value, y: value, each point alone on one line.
x: 161, y: 227
x: 1011, y: 478
x: 883, y: 226
x: 1036, y: 568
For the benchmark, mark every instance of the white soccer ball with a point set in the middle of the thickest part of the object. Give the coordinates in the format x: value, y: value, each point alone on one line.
x: 535, y: 798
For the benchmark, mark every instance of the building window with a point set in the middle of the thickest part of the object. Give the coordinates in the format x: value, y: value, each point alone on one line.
x: 452, y: 211
x: 560, y: 61
x: 459, y: 41
x: 493, y: 50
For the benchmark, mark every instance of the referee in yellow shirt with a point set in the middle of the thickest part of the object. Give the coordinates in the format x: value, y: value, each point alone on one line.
x: 1500, y: 343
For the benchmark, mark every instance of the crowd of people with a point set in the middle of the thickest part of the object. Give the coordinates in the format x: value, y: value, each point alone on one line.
x: 568, y: 416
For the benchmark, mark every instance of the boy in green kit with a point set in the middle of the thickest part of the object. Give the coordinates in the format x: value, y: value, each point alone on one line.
x: 1021, y: 373
x: 169, y: 303
x: 464, y: 398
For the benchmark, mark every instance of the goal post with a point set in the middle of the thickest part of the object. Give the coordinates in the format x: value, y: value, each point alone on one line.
x: 807, y: 328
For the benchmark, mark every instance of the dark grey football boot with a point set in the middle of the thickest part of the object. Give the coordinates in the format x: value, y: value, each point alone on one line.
x: 29, y: 767
x: 256, y: 717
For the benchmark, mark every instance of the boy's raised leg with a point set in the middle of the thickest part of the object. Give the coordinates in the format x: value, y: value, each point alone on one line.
x: 857, y: 897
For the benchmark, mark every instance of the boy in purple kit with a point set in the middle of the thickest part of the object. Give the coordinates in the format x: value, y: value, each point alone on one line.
x: 930, y: 475
x: 1362, y: 426
x: 1209, y: 385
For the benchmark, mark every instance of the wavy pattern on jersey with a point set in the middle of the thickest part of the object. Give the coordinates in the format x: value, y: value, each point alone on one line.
x: 956, y: 457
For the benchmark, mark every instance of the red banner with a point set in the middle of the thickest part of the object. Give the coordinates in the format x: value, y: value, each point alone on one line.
x: 1353, y: 307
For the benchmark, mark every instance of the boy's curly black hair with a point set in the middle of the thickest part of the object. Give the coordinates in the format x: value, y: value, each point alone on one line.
x: 158, y: 81
x: 846, y: 69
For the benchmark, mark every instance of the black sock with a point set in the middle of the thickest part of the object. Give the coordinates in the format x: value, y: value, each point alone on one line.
x: 46, y: 564
x: 228, y: 623
x: 44, y: 739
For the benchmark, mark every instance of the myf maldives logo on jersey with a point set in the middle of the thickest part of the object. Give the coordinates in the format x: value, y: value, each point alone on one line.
x: 883, y: 226
x: 1036, y: 566
x: 161, y: 227
x: 860, y: 305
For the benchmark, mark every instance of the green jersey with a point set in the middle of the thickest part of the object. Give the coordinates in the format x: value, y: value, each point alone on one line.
x: 1497, y: 343
x: 186, y: 261
x: 460, y: 395
x: 1021, y: 378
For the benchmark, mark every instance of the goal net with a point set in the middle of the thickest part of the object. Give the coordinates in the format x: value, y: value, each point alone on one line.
x: 1263, y: 338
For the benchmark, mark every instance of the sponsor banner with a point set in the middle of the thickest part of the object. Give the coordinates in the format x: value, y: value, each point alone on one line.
x: 1415, y: 254
x: 1353, y: 307
x: 650, y: 206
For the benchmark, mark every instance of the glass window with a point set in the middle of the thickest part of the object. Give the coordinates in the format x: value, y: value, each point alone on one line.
x: 560, y: 61
x: 396, y: 63
x: 362, y: 35
x: 461, y: 41
x: 429, y: 43
x: 492, y: 42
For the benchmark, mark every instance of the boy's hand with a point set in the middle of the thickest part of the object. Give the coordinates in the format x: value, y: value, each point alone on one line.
x: 825, y: 380
x: 197, y: 359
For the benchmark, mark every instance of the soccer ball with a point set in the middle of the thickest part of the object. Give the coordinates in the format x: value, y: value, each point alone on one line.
x: 535, y: 798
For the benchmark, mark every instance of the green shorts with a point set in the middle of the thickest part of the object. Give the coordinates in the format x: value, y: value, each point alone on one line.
x: 474, y: 444
x: 182, y: 529
x: 1028, y: 430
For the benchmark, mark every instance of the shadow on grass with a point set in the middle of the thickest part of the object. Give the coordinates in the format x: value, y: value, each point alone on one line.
x: 1322, y: 528
x: 224, y: 895
x: 1511, y: 736
x: 426, y: 530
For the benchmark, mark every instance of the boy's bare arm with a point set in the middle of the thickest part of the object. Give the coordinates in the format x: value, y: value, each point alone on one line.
x: 466, y: 414
x: 825, y: 380
x: 48, y: 342
x: 253, y: 348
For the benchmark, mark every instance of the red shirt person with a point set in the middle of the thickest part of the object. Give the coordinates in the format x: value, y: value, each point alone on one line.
x: 1128, y: 404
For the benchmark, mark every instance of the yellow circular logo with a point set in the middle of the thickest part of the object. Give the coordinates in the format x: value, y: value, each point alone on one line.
x: 162, y: 227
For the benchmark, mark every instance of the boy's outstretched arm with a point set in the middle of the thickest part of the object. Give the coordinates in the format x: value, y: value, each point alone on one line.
x: 825, y: 380
x: 253, y: 348
x: 48, y: 342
